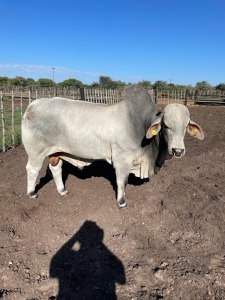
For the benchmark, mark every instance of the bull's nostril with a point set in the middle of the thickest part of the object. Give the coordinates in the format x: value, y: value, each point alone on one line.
x: 177, y: 151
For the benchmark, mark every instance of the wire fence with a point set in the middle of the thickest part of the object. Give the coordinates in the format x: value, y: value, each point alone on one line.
x: 104, y: 96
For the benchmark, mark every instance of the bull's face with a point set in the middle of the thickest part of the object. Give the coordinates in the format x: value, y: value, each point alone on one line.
x: 173, y: 123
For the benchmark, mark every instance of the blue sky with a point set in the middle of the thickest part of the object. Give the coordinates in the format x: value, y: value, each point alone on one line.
x: 182, y: 42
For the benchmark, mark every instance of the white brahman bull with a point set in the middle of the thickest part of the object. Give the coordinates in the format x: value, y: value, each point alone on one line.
x: 132, y: 135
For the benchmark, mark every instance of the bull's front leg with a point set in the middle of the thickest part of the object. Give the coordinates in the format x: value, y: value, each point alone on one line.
x: 122, y: 173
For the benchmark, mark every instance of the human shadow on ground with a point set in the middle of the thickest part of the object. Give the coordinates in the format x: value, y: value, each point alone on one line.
x: 85, y: 268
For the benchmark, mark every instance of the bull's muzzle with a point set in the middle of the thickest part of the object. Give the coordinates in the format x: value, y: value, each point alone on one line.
x: 178, y: 152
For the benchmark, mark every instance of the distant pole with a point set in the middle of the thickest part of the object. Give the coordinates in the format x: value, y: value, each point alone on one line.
x: 53, y: 78
x: 53, y: 74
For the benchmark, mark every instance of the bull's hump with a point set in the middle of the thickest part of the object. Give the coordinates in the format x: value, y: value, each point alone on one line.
x: 134, y: 91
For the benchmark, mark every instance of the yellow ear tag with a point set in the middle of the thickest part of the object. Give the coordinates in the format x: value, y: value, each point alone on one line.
x: 194, y: 131
x: 154, y: 132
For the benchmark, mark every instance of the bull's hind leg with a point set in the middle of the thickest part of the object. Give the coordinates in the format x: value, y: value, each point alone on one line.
x: 33, y: 170
x: 56, y: 169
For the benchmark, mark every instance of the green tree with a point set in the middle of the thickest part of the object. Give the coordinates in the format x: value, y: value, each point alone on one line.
x: 184, y: 87
x: 160, y: 85
x: 95, y: 85
x: 45, y: 82
x: 30, y: 82
x: 71, y: 82
x: 105, y: 82
x: 18, y: 81
x: 4, y: 80
x: 145, y: 84
x: 203, y: 85
x: 220, y: 86
x: 118, y: 84
x: 171, y: 86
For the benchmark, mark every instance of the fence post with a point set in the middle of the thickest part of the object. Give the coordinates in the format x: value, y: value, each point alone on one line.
x: 82, y: 93
x: 3, y: 123
x: 156, y: 95
x: 196, y: 95
x: 13, y: 123
x: 21, y: 105
x: 186, y: 97
x: 30, y: 96
x: 55, y: 91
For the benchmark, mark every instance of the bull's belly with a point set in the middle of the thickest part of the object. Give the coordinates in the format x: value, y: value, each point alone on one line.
x: 140, y: 168
x: 142, y: 165
x: 77, y: 156
x: 82, y: 151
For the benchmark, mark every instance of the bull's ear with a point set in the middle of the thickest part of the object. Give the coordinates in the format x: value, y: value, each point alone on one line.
x: 195, y: 130
x: 155, y: 128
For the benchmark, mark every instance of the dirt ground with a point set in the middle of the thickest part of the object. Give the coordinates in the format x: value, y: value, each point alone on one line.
x: 169, y: 243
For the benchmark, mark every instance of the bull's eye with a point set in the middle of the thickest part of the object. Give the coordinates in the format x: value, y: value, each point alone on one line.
x: 166, y: 126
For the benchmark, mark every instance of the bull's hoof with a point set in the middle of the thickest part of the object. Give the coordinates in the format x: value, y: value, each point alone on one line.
x: 32, y: 195
x: 63, y: 193
x: 156, y: 169
x: 122, y: 203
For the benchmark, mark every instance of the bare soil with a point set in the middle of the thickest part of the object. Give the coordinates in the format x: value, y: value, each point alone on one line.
x: 169, y: 243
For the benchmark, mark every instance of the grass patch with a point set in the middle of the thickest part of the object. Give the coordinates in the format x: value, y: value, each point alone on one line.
x: 10, y: 139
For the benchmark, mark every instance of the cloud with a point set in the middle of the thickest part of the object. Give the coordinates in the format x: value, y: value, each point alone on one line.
x: 39, y: 69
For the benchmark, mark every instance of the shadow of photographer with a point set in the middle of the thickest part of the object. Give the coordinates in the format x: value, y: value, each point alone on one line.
x: 85, y: 268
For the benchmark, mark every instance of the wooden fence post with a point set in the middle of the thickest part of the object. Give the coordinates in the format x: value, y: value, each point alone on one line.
x: 156, y: 95
x: 186, y: 97
x: 30, y: 96
x: 82, y: 93
x: 21, y: 105
x: 196, y: 95
x: 13, y: 120
x: 3, y: 123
